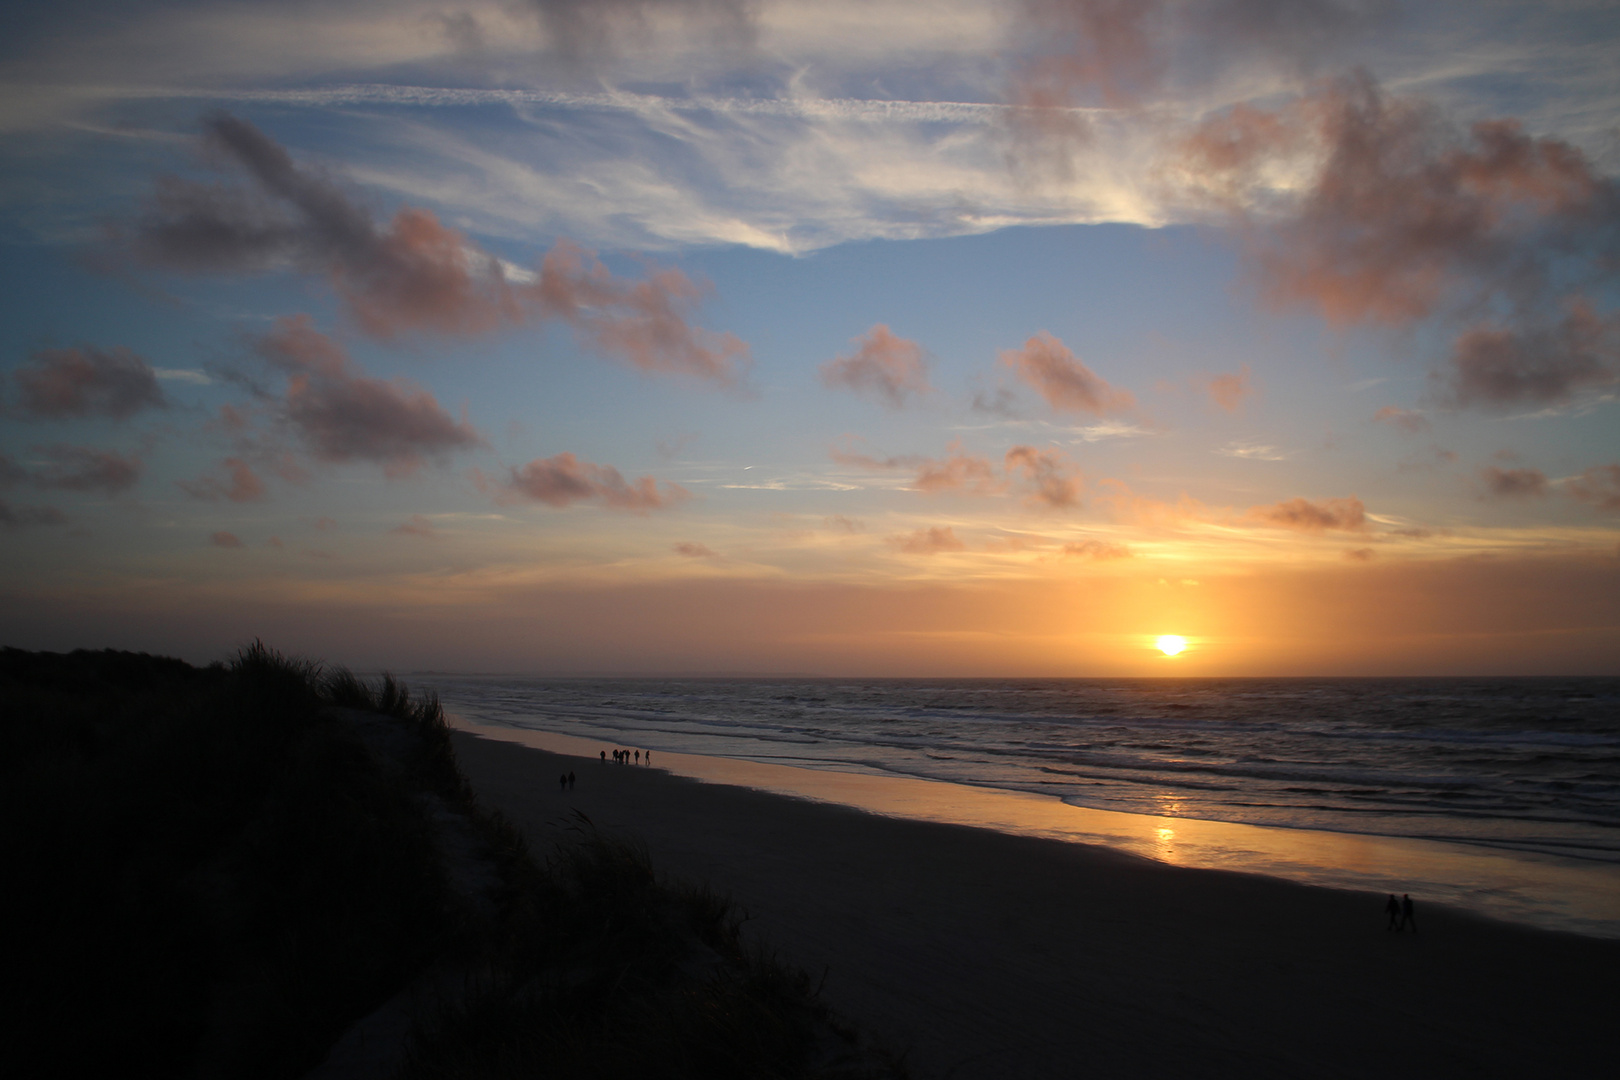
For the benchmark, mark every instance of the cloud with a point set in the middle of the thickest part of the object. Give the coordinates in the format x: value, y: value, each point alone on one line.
x: 1409, y: 421
x: 645, y: 322
x: 867, y: 461
x: 418, y: 526
x: 564, y: 479
x: 930, y: 541
x: 592, y: 30
x: 1514, y: 483
x: 1127, y: 505
x: 693, y: 550
x: 86, y: 381
x: 1404, y: 217
x: 243, y: 486
x: 1057, y: 480
x: 884, y: 365
x: 1360, y: 554
x: 840, y: 523
x: 16, y: 517
x: 958, y: 472
x: 344, y: 416
x: 82, y: 468
x: 225, y: 540
x: 416, y: 274
x: 1229, y: 390
x: 1252, y: 451
x: 1599, y: 485
x: 1096, y: 549
x: 1542, y: 366
x: 1066, y: 383
x: 1301, y: 515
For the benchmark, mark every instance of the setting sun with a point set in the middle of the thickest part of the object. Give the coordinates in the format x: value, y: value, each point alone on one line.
x: 1170, y: 644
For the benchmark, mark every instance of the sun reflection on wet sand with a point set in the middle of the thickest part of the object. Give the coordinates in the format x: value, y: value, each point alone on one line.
x: 1541, y: 890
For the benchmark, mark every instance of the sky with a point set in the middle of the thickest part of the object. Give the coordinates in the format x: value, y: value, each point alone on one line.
x: 854, y: 337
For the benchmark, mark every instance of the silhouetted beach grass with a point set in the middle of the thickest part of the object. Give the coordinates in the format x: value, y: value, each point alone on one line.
x: 220, y: 871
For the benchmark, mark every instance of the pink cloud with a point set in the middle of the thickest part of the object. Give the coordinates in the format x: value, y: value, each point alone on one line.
x: 1060, y: 377
x: 416, y: 274
x: 840, y: 523
x: 81, y: 468
x: 225, y: 540
x: 243, y: 484
x: 1406, y: 420
x: 1302, y: 515
x: 693, y: 550
x: 884, y: 365
x: 564, y: 479
x: 418, y: 526
x: 930, y: 541
x: 645, y: 321
x: 1128, y: 506
x: 1229, y: 390
x: 1096, y: 549
x: 1599, y: 485
x: 1407, y: 218
x: 959, y: 472
x: 1498, y: 366
x: 1057, y: 480
x: 86, y: 381
x: 14, y: 517
x: 1514, y: 483
x: 345, y: 416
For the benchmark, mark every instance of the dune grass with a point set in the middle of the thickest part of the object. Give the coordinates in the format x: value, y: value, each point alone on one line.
x: 213, y: 873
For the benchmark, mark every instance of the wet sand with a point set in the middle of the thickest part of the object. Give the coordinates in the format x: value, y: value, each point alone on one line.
x: 981, y: 954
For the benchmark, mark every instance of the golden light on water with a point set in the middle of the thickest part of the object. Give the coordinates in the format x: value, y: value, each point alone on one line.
x: 1171, y: 644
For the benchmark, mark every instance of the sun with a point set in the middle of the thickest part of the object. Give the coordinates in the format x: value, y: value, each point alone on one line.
x: 1171, y: 644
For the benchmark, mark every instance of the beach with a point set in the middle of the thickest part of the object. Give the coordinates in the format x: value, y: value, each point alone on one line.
x: 982, y: 954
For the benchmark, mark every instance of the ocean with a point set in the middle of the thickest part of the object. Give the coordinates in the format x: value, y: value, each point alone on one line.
x: 1528, y: 765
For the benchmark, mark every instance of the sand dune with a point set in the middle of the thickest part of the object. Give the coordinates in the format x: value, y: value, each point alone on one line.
x: 987, y: 955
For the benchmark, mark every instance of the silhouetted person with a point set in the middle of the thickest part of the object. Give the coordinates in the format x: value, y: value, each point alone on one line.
x: 1393, y: 910
x: 604, y: 759
x: 570, y: 779
x: 562, y: 781
x: 1407, y: 918
x: 649, y: 757
x: 638, y: 757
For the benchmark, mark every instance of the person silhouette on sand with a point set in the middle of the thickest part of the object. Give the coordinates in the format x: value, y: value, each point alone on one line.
x: 604, y: 757
x: 1407, y: 917
x: 638, y: 757
x: 1393, y: 910
x: 562, y: 781
x: 570, y: 779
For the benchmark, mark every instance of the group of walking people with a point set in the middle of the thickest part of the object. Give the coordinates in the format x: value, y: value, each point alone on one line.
x: 624, y: 757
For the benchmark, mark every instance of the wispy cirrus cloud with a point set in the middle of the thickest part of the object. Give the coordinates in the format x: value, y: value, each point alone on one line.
x: 241, y: 484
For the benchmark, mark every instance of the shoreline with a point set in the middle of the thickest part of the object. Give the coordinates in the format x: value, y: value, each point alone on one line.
x: 983, y: 954
x: 1528, y: 888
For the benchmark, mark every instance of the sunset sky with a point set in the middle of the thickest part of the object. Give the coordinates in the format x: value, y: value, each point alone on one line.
x: 970, y: 337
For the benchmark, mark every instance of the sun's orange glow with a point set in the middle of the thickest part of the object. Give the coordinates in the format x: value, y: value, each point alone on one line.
x: 1171, y: 644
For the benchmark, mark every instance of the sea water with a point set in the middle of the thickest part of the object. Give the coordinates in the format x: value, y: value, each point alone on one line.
x: 1526, y: 768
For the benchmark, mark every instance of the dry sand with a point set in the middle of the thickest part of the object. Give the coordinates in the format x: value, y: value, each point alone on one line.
x: 984, y: 955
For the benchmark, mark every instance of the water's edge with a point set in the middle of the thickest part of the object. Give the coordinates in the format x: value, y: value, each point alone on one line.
x: 1545, y: 891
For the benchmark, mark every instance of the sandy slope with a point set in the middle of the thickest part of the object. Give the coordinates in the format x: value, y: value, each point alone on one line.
x: 986, y: 955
